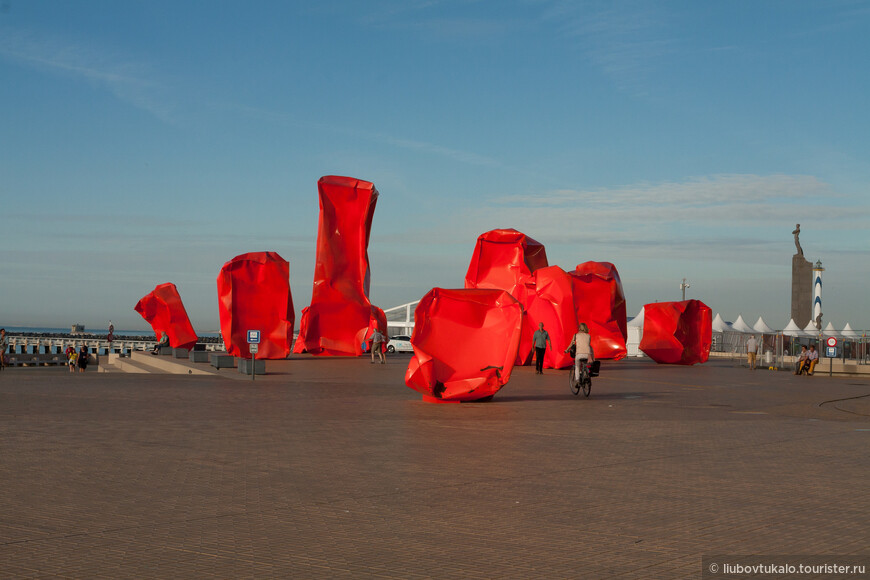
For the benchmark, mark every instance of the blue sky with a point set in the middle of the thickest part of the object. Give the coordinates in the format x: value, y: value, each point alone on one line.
x: 150, y: 142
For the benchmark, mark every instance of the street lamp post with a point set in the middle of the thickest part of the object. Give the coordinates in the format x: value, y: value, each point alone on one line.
x: 683, y: 287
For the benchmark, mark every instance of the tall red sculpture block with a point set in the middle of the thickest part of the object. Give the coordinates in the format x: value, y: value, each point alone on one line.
x: 551, y: 301
x: 465, y: 343
x: 677, y: 332
x: 600, y: 302
x: 254, y: 294
x: 163, y: 310
x: 505, y: 259
x: 340, y: 314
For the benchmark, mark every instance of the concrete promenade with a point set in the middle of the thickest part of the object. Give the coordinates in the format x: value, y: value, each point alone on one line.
x: 332, y: 468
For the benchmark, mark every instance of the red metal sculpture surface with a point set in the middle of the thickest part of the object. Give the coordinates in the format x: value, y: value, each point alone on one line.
x: 505, y: 260
x: 340, y: 314
x: 163, y: 310
x: 465, y: 344
x: 254, y: 294
x: 677, y: 332
x: 551, y: 302
x: 600, y: 303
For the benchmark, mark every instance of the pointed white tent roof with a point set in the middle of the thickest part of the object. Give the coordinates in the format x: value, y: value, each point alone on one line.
x: 720, y: 325
x: 792, y: 329
x: 810, y: 329
x: 830, y: 330
x: 761, y: 326
x: 740, y: 325
x: 637, y: 320
x: 848, y: 332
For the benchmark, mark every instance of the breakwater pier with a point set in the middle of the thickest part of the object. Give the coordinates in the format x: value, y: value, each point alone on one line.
x: 51, y: 343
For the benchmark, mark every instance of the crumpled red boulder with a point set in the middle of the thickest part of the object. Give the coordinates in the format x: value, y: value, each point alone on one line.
x: 551, y: 301
x: 465, y: 343
x: 600, y: 302
x: 337, y: 321
x: 254, y: 294
x: 677, y: 332
x: 163, y: 310
x: 505, y: 259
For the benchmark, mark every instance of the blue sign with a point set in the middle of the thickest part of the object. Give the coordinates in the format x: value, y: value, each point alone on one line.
x: 253, y: 337
x: 831, y: 352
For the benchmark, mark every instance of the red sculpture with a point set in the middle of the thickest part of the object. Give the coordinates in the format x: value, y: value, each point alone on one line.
x: 551, y: 301
x: 254, y: 294
x: 505, y: 260
x: 677, y: 332
x: 340, y: 314
x: 163, y: 310
x: 465, y: 343
x: 600, y: 303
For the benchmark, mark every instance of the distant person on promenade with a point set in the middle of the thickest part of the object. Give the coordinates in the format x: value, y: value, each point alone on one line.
x: 4, y: 344
x: 164, y: 341
x: 71, y: 359
x: 541, y: 339
x: 111, y: 336
x: 582, y: 343
x: 378, y: 340
x: 799, y: 367
x: 83, y: 358
x: 751, y: 351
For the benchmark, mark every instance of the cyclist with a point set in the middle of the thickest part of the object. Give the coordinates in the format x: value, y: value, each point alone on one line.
x: 582, y: 341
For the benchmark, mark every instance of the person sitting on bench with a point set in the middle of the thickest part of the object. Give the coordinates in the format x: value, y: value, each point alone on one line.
x: 799, y: 367
x: 812, y: 359
x: 164, y: 341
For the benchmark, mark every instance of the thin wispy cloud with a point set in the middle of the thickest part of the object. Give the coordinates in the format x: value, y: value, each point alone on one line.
x: 126, y: 80
x: 624, y: 40
x: 456, y: 154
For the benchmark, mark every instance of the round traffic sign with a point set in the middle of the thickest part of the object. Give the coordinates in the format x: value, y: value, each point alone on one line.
x: 832, y: 342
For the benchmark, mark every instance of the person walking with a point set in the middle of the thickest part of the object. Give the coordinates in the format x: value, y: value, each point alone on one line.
x: 83, y: 358
x: 751, y: 351
x: 582, y: 343
x: 4, y: 344
x: 378, y: 340
x: 541, y: 339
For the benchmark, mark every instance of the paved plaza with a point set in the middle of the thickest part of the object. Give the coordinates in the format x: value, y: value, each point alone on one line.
x: 330, y: 468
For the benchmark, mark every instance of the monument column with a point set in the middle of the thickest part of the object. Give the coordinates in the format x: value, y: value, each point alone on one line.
x: 801, y: 284
x: 817, y: 291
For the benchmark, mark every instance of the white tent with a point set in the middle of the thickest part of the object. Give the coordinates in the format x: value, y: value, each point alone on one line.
x: 831, y: 331
x: 848, y: 332
x: 792, y: 329
x: 637, y: 320
x: 740, y: 325
x: 810, y: 329
x: 762, y: 327
x: 720, y: 325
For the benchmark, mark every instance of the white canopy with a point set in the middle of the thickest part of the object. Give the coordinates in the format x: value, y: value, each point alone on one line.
x: 831, y: 331
x: 761, y: 326
x: 637, y: 320
x: 720, y: 325
x: 810, y: 329
x: 848, y: 332
x: 740, y: 325
x: 792, y: 329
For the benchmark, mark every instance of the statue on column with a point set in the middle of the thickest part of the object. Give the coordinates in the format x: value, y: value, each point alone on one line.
x: 797, y: 242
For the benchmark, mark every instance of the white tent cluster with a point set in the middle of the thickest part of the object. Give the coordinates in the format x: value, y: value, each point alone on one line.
x: 791, y: 329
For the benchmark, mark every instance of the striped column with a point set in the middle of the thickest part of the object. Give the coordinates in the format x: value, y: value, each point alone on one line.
x: 817, y: 289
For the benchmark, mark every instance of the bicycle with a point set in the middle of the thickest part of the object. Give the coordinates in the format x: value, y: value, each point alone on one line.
x: 585, y: 380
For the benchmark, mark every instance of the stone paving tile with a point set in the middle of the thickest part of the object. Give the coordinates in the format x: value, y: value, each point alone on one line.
x: 332, y: 468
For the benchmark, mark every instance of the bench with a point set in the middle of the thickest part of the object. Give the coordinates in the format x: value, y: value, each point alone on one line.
x: 198, y: 356
x: 245, y: 366
x: 222, y: 361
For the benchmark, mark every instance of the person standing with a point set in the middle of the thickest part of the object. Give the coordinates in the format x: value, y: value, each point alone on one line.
x: 71, y: 359
x: 378, y: 346
x: 83, y: 358
x: 751, y: 351
x: 541, y: 339
x: 4, y: 344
